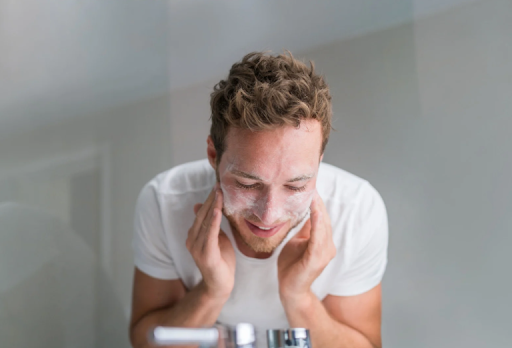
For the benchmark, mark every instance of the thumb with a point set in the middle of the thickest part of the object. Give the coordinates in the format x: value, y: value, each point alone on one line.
x: 197, y: 207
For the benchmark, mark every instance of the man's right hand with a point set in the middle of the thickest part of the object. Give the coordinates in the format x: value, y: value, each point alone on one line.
x: 158, y: 302
x: 210, y: 247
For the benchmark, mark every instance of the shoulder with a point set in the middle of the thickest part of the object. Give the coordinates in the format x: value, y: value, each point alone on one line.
x: 185, y: 178
x: 358, y: 218
x: 192, y: 179
x: 344, y: 191
x: 336, y: 184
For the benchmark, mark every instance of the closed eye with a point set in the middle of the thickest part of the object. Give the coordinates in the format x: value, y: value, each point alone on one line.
x: 246, y: 187
x: 297, y: 189
x: 254, y: 186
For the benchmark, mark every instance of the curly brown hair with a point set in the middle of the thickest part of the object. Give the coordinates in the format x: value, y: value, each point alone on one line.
x: 263, y: 92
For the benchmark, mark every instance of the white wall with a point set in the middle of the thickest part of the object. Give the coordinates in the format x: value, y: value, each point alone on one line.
x: 423, y: 111
x: 137, y: 137
x: 190, y: 125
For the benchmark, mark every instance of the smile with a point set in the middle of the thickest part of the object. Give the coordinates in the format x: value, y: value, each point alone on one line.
x: 265, y: 232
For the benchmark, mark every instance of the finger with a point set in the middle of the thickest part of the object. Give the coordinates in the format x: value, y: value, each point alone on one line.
x: 211, y: 240
x: 218, y: 215
x: 200, y: 215
x: 318, y: 204
x: 316, y: 221
x: 314, y: 208
x: 319, y: 221
x: 220, y: 199
x: 210, y: 230
x: 321, y: 232
x: 204, y: 227
x: 205, y: 208
x: 326, y: 217
x: 323, y: 208
x: 207, y: 204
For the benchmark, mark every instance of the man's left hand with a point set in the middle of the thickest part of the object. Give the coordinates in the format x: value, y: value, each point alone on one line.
x: 306, y: 255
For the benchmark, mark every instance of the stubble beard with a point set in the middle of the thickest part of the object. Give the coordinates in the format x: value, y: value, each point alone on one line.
x: 255, y: 243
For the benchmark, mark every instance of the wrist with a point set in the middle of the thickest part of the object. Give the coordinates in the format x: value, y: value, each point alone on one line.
x: 214, y: 295
x: 297, y: 301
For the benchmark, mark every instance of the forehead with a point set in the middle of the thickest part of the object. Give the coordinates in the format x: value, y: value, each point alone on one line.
x: 281, y: 150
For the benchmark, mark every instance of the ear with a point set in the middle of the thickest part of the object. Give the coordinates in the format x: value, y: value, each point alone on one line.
x: 211, y: 152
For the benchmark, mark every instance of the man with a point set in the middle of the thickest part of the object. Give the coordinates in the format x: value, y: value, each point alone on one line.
x: 281, y: 240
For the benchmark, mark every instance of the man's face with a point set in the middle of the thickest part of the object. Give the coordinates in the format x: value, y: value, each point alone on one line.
x: 268, y: 179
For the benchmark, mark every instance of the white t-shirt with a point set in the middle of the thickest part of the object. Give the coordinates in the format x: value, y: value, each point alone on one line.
x: 165, y: 213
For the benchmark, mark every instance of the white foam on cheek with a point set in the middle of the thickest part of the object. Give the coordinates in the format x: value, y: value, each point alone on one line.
x: 298, y: 204
x: 275, y: 210
x: 300, y: 201
x: 292, y: 208
x: 234, y: 202
x: 229, y: 206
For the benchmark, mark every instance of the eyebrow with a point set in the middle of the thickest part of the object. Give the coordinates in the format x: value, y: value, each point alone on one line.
x: 257, y: 178
x: 302, y: 178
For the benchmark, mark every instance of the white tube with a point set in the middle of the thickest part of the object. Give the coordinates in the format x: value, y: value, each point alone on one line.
x: 182, y: 336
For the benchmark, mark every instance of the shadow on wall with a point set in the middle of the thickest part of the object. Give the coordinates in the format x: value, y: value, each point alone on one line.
x: 52, y: 292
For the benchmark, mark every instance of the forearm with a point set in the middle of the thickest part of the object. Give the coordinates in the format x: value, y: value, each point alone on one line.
x: 196, y: 309
x: 310, y: 313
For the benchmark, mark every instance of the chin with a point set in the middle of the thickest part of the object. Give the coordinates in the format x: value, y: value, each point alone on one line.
x: 261, y: 244
x: 254, y: 242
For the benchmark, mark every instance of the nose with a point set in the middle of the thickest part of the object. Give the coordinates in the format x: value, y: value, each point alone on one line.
x: 269, y: 209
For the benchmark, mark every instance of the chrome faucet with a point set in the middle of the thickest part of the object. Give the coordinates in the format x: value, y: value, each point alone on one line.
x: 288, y: 338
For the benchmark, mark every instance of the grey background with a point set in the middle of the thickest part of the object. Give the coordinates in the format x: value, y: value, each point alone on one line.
x: 97, y: 98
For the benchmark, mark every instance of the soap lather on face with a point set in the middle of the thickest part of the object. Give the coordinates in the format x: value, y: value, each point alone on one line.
x: 270, y: 206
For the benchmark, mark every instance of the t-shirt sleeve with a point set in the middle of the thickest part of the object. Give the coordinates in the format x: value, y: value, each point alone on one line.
x: 149, y: 244
x: 368, y: 259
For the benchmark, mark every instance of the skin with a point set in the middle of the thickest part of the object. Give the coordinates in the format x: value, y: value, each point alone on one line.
x: 271, y: 159
x: 268, y: 186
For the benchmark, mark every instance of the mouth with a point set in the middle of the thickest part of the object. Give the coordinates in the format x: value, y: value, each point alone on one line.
x: 264, y: 231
